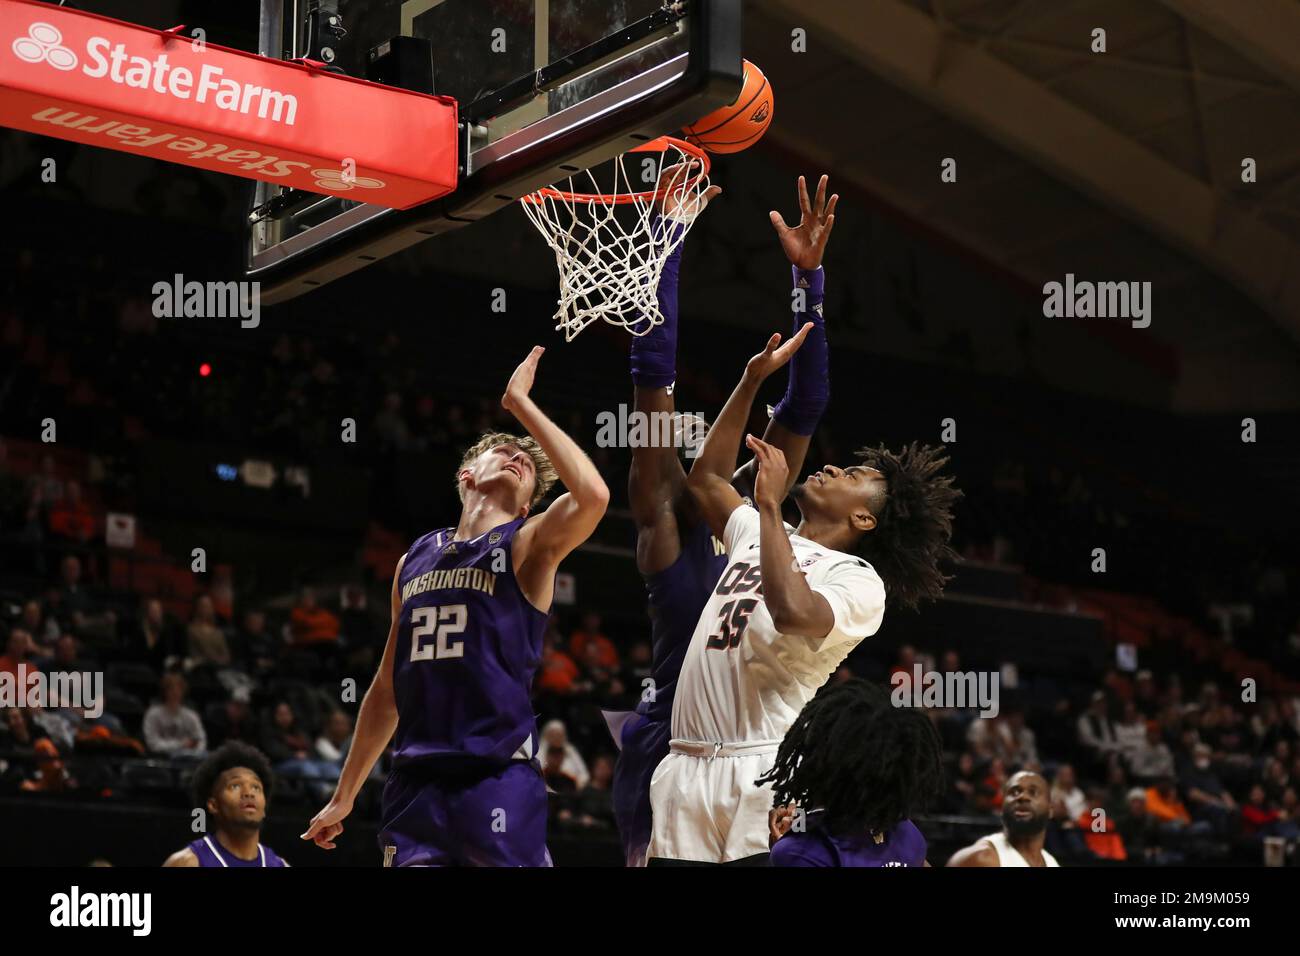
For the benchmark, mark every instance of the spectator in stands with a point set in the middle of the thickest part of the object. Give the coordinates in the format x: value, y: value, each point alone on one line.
x: 48, y: 483
x: 1140, y: 831
x: 1131, y: 730
x: 964, y: 785
x: 1100, y: 831
x: 603, y: 681
x: 290, y: 749
x: 361, y: 637
x: 589, y: 636
x: 1146, y: 698
x: 558, y: 779
x: 153, y: 640
x: 16, y: 735
x: 988, y: 793
x: 18, y: 650
x: 1096, y: 732
x: 900, y: 675
x: 259, y: 648
x: 72, y: 518
x: 171, y: 728
x: 51, y: 775
x: 1152, y: 759
x: 390, y: 425
x: 67, y: 657
x: 1068, y: 800
x: 43, y: 628
x: 1021, y: 744
x: 75, y: 607
x: 1209, y: 798
x: 206, y: 642
x: 555, y: 738
x: 1168, y: 810
x: 311, y: 625
x: 593, y: 806
x: 1258, y: 817
x: 52, y: 724
x: 558, y: 673
x: 334, y: 740
x: 234, y: 720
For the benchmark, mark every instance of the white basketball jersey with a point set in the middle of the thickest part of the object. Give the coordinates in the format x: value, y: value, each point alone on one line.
x: 741, y: 679
x: 1010, y: 856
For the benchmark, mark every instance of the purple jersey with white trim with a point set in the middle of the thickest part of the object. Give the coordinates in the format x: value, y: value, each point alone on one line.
x: 677, y: 596
x: 903, y: 846
x: 212, y: 853
x: 468, y: 646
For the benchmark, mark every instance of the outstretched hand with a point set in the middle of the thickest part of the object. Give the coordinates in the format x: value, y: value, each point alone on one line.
x: 775, y: 355
x: 773, y: 473
x: 521, y: 382
x: 327, y: 824
x: 674, y: 197
x: 804, y: 244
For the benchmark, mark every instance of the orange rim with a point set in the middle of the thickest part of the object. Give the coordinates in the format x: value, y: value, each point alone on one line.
x: 659, y: 145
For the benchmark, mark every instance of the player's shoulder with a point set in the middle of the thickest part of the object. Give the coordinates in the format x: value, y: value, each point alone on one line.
x: 182, y: 857
x: 798, y: 849
x: 979, y: 853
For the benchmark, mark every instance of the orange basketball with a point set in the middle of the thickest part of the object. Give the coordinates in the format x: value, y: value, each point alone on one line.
x: 738, y: 125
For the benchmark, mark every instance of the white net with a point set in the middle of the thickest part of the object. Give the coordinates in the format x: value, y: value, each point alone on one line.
x: 610, y: 246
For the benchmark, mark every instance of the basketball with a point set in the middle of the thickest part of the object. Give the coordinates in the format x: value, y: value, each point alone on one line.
x: 740, y: 124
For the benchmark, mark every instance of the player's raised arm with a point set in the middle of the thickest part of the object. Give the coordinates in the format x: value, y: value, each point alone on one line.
x: 657, y: 480
x: 808, y: 390
x: 711, y: 474
x: 796, y: 609
x: 376, y: 723
x: 545, y: 539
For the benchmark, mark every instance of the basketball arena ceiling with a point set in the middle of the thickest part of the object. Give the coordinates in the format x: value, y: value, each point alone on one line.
x: 1075, y: 161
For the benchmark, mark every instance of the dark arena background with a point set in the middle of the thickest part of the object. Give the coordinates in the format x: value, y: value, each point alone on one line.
x: 182, y: 495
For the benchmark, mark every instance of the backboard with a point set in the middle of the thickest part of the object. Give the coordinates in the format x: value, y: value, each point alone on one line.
x: 545, y: 88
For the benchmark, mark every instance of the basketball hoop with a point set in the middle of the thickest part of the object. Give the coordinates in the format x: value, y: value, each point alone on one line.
x: 610, y: 246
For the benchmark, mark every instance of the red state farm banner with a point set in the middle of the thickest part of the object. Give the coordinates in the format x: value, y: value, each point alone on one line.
x: 90, y: 79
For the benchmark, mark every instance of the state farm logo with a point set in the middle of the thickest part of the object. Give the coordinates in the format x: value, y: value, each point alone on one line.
x: 45, y: 42
x: 335, y: 181
x: 159, y: 74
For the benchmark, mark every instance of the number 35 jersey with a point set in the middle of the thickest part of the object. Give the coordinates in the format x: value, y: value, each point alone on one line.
x: 742, y: 680
x: 467, y: 648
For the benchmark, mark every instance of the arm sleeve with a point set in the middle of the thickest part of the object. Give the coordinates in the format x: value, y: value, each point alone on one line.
x: 857, y: 599
x: 742, y: 528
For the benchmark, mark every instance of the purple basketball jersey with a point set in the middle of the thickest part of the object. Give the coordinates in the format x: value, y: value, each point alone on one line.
x: 903, y: 846
x: 677, y: 596
x: 468, y: 645
x: 212, y: 853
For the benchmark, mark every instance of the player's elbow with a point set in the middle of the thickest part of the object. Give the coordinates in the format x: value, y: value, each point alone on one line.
x: 593, y: 497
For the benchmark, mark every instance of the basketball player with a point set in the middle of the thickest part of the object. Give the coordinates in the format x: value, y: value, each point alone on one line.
x: 1026, y: 808
x: 855, y: 767
x: 232, y: 785
x: 677, y: 555
x: 789, y: 607
x: 470, y: 605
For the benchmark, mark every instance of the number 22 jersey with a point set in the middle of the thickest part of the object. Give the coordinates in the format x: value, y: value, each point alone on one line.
x: 468, y: 645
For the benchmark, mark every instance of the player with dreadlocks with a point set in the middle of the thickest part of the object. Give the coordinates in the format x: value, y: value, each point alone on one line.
x: 851, y: 770
x: 787, y: 610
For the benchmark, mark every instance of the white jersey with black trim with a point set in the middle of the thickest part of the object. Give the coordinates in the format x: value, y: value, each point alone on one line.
x: 744, y: 681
